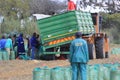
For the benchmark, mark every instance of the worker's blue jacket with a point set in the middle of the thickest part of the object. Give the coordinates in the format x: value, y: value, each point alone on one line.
x: 79, y: 51
x: 20, y: 42
x: 33, y: 41
x: 9, y: 43
x: 2, y: 43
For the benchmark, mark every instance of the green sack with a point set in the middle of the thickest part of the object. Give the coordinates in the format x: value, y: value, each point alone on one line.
x: 12, y: 55
x: 108, y: 68
x: 107, y: 65
x: 24, y: 57
x: 87, y: 72
x: 111, y: 66
x: 26, y: 48
x: 15, y: 51
x: 0, y: 55
x: 115, y: 75
x: 57, y: 73
x: 5, y: 55
x: 106, y: 73
x: 67, y: 73
x: 38, y: 74
x: 115, y: 51
x: 100, y: 72
x: 93, y: 72
x: 47, y: 73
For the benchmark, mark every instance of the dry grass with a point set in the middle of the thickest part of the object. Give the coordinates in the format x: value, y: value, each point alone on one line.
x: 22, y: 70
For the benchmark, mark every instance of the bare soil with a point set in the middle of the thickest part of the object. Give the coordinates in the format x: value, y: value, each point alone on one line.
x: 22, y: 70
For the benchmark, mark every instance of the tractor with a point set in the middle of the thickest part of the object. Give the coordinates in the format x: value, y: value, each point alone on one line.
x: 57, y: 32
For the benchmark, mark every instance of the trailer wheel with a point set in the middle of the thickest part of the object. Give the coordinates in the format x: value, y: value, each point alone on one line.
x: 99, y: 47
x: 91, y: 50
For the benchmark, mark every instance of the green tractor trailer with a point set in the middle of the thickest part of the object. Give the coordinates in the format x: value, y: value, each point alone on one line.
x: 57, y: 32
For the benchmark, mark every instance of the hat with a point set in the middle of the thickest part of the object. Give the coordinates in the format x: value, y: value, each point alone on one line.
x: 78, y: 34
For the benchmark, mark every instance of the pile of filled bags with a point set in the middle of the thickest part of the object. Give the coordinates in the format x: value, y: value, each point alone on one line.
x: 5, y: 56
x: 12, y: 56
x: 115, y: 51
x: 95, y: 72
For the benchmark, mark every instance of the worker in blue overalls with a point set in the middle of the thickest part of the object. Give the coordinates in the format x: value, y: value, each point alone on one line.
x: 3, y: 54
x: 79, y: 57
x: 33, y: 43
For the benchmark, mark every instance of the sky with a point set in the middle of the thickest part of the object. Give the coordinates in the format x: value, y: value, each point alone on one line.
x: 91, y: 8
x: 66, y: 0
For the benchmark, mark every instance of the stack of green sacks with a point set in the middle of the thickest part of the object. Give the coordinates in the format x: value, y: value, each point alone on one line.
x: 95, y: 72
x: 67, y: 73
x: 12, y: 55
x: 42, y: 73
x: 38, y: 74
x: 4, y: 55
x: 115, y: 51
x: 115, y: 75
x: 47, y: 73
x: 57, y: 73
x: 24, y: 57
x: 0, y: 55
x: 101, y: 71
x: 92, y: 72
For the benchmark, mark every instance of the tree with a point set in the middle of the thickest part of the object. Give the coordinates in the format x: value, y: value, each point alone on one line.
x: 46, y: 6
x: 111, y: 6
x: 10, y: 8
x: 110, y: 24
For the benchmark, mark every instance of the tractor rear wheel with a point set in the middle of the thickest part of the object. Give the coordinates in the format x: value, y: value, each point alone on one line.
x: 99, y: 45
x: 91, y: 50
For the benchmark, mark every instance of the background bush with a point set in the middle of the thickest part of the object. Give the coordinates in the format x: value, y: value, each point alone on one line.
x: 111, y: 25
x: 13, y: 26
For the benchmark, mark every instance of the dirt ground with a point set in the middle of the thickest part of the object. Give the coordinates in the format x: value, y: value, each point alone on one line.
x: 22, y: 70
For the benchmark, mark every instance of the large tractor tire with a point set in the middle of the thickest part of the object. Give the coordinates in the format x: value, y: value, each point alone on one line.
x: 91, y: 50
x: 47, y: 57
x: 99, y: 45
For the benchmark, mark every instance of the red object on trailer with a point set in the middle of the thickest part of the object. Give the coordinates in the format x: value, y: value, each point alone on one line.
x: 71, y: 5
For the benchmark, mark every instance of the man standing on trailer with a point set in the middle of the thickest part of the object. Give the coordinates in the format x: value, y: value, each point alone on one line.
x: 71, y: 5
x: 79, y: 57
